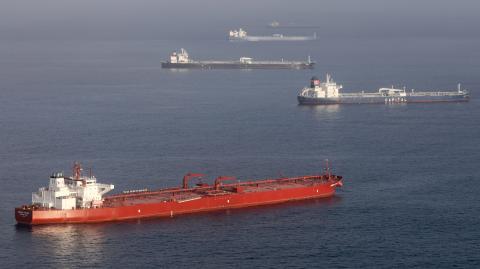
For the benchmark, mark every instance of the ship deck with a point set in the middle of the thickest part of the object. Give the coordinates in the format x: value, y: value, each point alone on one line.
x: 407, y: 94
x: 183, y: 195
x: 253, y: 62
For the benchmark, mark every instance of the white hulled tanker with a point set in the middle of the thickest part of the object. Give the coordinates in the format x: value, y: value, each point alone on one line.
x: 241, y: 35
x: 328, y: 92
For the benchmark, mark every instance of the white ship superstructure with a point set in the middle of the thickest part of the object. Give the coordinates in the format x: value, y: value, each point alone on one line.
x: 317, y: 89
x: 240, y: 33
x: 179, y: 57
x: 71, y: 192
x: 274, y: 24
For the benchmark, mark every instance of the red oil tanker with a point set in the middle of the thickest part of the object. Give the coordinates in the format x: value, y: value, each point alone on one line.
x: 79, y: 199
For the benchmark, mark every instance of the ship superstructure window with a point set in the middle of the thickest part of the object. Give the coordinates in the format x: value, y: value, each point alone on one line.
x: 246, y: 60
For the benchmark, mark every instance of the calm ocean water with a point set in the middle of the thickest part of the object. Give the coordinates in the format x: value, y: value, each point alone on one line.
x: 411, y: 172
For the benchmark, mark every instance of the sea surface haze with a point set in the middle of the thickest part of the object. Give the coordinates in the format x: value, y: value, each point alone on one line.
x: 83, y: 82
x: 410, y: 193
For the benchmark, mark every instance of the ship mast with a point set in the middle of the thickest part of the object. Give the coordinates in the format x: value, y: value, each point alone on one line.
x: 327, y: 168
x: 77, y: 170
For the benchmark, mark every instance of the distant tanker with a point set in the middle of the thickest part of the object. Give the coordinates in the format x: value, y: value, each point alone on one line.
x: 241, y: 35
x: 182, y: 60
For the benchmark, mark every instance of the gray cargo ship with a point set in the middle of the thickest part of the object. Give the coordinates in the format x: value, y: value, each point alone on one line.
x: 182, y: 60
x: 328, y: 92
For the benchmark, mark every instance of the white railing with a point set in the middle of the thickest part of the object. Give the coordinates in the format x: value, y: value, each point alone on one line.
x: 435, y: 93
x: 362, y: 94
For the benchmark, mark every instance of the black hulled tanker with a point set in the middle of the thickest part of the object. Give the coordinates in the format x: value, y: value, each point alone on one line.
x: 180, y: 60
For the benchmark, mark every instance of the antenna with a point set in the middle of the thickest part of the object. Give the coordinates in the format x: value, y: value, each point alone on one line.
x: 327, y: 168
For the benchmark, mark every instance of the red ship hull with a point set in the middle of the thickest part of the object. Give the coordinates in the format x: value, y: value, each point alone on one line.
x: 171, y: 202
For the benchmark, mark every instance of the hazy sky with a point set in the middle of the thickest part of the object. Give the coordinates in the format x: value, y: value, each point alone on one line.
x: 156, y: 19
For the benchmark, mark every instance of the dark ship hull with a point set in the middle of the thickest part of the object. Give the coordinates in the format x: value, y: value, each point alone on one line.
x: 237, y: 65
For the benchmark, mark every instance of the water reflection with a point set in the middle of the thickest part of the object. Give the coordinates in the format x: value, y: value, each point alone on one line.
x: 323, y: 109
x: 178, y: 70
x: 327, y: 109
x: 64, y: 243
x: 322, y: 112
